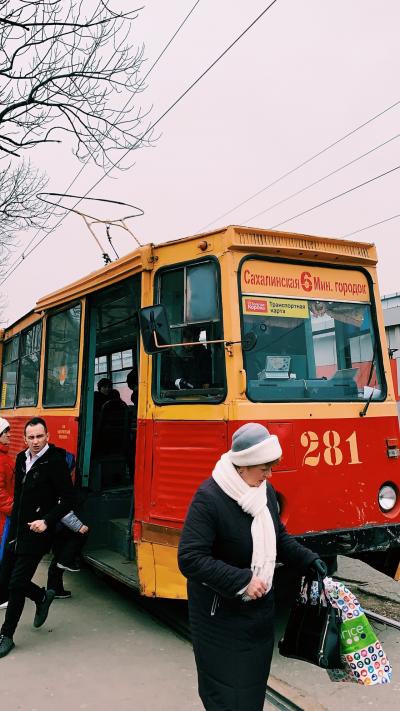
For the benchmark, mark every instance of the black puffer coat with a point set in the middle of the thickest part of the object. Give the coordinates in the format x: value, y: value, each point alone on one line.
x: 232, y: 640
x: 45, y: 492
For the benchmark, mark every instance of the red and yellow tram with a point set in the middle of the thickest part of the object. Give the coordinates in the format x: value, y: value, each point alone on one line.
x: 287, y: 330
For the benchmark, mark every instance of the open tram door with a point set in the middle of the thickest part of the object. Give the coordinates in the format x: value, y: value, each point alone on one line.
x: 108, y: 427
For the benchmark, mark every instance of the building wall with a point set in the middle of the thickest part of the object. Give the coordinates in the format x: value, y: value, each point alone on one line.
x: 391, y: 314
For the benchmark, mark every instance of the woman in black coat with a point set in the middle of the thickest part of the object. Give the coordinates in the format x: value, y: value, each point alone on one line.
x: 230, y: 540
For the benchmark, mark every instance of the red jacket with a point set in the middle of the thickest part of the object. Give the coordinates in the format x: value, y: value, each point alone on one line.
x: 6, y: 486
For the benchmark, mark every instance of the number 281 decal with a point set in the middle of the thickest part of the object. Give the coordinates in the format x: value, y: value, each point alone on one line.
x: 333, y: 451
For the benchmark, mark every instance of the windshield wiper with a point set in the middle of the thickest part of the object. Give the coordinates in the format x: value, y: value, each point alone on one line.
x: 364, y: 411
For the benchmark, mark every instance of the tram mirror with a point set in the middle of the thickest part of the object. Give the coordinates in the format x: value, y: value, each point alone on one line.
x: 154, y: 328
x: 249, y: 341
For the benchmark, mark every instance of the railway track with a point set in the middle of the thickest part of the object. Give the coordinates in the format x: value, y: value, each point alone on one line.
x: 375, y: 617
x: 173, y: 614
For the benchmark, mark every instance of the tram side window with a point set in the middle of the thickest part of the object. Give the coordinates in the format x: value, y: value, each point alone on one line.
x: 29, y: 364
x: 194, y: 373
x: 61, y: 373
x: 10, y: 369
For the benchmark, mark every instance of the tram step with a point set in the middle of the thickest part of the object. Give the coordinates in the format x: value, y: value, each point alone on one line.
x: 119, y: 537
x: 113, y: 564
x: 98, y: 508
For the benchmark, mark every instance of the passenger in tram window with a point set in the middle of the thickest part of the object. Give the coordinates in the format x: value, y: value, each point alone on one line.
x: 43, y: 495
x: 102, y: 394
x: 230, y: 540
x: 100, y: 397
x: 132, y: 383
x: 112, y: 434
x: 191, y: 367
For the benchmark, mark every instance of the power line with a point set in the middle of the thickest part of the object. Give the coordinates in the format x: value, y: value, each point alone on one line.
x: 24, y: 253
x: 375, y: 224
x: 320, y: 180
x: 335, y: 197
x: 301, y: 165
x: 177, y: 101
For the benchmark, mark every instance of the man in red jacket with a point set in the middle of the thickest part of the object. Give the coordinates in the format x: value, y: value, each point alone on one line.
x: 6, y: 478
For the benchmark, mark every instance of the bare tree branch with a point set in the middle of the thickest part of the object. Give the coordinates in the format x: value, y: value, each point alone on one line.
x: 68, y: 71
x: 20, y: 209
x: 66, y: 64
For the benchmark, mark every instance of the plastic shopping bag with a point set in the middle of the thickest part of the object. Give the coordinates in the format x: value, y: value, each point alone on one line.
x: 364, y: 660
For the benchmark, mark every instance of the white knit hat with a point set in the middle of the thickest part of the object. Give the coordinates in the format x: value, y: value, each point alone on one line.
x: 4, y: 425
x: 252, y: 444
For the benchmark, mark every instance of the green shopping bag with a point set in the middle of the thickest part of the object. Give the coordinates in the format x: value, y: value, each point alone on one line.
x: 364, y: 660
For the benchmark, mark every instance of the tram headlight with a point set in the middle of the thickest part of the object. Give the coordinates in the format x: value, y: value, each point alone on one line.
x: 387, y: 497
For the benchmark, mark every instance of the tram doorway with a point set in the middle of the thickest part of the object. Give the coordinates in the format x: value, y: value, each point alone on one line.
x: 109, y: 424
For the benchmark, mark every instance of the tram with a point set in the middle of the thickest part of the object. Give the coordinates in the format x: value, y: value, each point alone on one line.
x: 278, y: 328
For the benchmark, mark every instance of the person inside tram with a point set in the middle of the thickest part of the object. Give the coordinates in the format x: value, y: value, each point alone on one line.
x: 132, y: 383
x: 191, y: 367
x: 102, y: 394
x: 112, y: 433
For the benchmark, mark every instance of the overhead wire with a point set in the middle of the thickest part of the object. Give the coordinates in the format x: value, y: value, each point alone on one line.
x: 24, y: 253
x: 335, y: 197
x: 172, y: 106
x: 302, y: 164
x: 369, y: 227
x: 320, y: 180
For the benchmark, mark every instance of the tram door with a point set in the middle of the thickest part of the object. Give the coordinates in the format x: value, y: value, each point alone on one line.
x: 109, y: 413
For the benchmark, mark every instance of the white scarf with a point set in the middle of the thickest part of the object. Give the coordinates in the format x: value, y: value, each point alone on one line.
x: 253, y: 500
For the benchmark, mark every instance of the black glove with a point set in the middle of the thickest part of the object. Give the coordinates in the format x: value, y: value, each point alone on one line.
x: 319, y: 567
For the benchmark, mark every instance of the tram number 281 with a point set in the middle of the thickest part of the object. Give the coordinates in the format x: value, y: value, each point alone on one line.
x: 331, y: 447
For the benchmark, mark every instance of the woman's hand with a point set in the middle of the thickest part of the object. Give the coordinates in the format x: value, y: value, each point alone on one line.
x: 256, y: 588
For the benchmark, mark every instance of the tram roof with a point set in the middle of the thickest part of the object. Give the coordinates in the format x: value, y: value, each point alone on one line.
x: 235, y: 237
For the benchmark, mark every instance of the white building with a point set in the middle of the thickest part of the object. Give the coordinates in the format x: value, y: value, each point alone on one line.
x: 391, y: 314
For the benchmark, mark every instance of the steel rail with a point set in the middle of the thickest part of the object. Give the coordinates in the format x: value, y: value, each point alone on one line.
x: 173, y: 614
x: 383, y: 620
x: 280, y: 702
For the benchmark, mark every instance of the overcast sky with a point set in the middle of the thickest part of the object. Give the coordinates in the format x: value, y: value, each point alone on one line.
x: 305, y: 75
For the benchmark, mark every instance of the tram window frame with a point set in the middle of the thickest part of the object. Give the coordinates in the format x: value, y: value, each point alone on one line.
x: 11, y: 342
x: 196, y: 396
x: 374, y: 330
x: 53, y: 403
x: 21, y: 358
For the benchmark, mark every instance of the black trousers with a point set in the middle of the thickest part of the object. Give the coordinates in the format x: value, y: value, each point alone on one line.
x: 16, y: 573
x: 67, y: 546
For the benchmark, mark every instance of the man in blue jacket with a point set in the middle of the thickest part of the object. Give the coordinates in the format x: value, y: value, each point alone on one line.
x: 43, y: 495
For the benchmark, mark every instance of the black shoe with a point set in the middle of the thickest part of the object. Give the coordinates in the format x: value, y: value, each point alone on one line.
x: 62, y: 594
x: 6, y: 645
x: 42, y: 608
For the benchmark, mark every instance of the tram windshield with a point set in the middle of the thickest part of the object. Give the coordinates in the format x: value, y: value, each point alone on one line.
x: 311, y: 349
